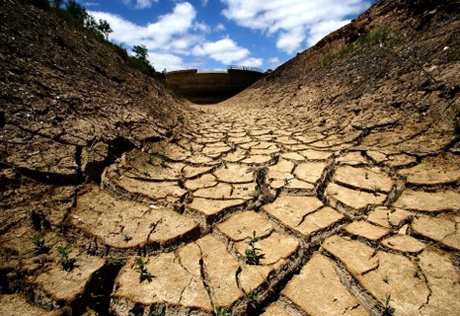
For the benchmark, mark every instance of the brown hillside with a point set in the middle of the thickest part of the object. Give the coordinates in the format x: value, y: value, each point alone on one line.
x: 69, y: 100
x: 395, y: 67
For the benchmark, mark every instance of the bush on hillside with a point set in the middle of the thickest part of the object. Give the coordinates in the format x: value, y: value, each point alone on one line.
x: 76, y: 14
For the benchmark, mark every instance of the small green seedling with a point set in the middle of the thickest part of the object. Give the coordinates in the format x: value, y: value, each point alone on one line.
x: 142, y: 270
x: 417, y: 274
x: 252, y: 257
x: 191, y: 148
x: 126, y: 237
x: 386, y: 279
x: 63, y: 253
x: 252, y: 298
x: 131, y: 157
x: 388, y: 311
x: 158, y: 311
x: 163, y: 162
x: 224, y: 163
x: 39, y: 245
x: 220, y: 311
x: 161, y: 156
x: 146, y: 173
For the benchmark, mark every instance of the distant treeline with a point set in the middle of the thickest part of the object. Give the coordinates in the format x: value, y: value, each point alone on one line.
x: 76, y: 15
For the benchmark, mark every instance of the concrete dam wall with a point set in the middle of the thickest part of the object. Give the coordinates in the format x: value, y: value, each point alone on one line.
x: 211, y: 86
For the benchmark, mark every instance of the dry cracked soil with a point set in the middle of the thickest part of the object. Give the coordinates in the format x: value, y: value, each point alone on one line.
x: 342, y: 230
x: 246, y: 210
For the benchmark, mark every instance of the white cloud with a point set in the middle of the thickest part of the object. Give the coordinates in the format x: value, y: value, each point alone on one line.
x: 291, y: 40
x: 318, y: 31
x: 169, y: 32
x: 161, y: 61
x: 91, y: 4
x: 204, y: 3
x: 225, y: 51
x: 273, y: 62
x: 140, y: 4
x: 251, y: 62
x: 219, y: 28
x: 176, y: 37
x: 295, y: 23
x: 201, y: 26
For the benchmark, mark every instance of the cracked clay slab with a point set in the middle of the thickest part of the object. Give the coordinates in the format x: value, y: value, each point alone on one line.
x: 318, y: 291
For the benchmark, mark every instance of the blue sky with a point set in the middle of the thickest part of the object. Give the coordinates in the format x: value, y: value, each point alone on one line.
x: 212, y: 34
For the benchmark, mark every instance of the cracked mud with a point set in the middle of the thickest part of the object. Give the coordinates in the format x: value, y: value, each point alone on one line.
x: 324, y: 217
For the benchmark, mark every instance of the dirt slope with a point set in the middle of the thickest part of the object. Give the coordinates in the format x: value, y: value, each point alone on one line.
x: 395, y: 67
x: 62, y: 92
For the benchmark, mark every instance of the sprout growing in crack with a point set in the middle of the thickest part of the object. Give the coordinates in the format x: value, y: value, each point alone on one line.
x: 220, y: 311
x: 252, y: 255
x: 63, y: 253
x: 126, y: 237
x: 252, y: 298
x: 142, y: 270
x: 158, y: 311
x: 39, y: 245
x: 163, y: 162
x: 386, y: 279
x: 153, y: 155
x: 388, y: 311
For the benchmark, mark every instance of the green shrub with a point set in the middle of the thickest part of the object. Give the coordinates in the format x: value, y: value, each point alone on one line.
x: 142, y: 65
x: 142, y: 270
x: 39, y: 245
x: 76, y: 15
x: 158, y: 311
x: 366, y: 40
x: 252, y: 255
x: 63, y: 253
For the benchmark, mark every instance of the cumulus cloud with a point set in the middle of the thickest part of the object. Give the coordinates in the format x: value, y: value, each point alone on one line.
x: 91, y: 4
x: 139, y: 4
x: 294, y: 23
x: 251, y: 62
x: 201, y: 26
x: 176, y: 37
x: 291, y: 40
x: 219, y: 28
x: 318, y: 31
x: 170, y: 31
x: 225, y: 51
x: 273, y: 62
x: 167, y: 61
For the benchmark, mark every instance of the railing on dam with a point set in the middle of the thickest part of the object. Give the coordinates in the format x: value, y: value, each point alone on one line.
x: 245, y: 68
x: 183, y: 71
